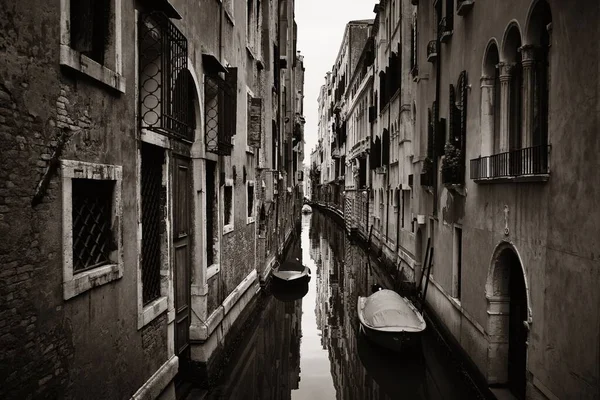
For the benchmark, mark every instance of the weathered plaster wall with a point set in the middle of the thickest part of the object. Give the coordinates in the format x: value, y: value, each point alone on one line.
x: 552, y: 225
x: 88, y: 346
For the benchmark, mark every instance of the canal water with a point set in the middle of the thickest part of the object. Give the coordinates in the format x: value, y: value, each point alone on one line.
x: 305, y: 343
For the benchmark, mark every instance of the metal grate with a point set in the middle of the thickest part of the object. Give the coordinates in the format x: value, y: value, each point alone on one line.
x: 92, y: 214
x: 220, y: 111
x: 153, y: 197
x: 164, y: 80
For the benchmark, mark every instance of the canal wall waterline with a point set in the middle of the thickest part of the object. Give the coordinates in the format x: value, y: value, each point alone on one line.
x: 226, y: 323
x: 435, y: 322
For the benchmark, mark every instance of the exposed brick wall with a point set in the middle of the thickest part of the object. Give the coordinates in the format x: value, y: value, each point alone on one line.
x: 154, y: 337
x: 51, y: 348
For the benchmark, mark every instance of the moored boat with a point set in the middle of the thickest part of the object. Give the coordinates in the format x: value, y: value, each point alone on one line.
x: 390, y: 320
x: 291, y: 271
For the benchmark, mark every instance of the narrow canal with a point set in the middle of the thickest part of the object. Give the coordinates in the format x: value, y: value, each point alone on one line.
x: 306, y: 344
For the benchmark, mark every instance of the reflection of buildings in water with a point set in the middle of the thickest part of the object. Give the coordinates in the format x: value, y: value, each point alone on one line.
x: 345, y: 275
x: 268, y: 362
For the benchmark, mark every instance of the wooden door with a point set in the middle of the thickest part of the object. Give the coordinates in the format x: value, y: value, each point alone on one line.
x: 517, y: 339
x: 182, y: 225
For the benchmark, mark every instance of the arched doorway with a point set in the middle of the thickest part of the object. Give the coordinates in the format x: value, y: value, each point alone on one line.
x: 508, y: 321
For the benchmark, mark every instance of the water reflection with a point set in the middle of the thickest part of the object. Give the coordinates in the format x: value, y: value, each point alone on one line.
x: 311, y: 349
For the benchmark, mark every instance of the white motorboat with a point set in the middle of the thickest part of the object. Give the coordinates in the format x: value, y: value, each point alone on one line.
x: 390, y: 320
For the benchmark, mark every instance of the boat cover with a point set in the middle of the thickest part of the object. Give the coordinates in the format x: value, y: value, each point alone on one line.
x: 386, y: 310
x: 291, y: 265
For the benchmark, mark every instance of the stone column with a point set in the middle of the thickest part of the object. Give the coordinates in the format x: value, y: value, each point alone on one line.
x: 488, y: 108
x: 528, y: 57
x: 505, y: 75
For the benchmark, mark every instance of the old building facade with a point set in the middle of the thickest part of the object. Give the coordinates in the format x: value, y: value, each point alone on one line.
x: 148, y: 186
x: 477, y: 150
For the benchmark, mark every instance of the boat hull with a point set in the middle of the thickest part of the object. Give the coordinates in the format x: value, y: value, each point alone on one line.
x: 395, y: 341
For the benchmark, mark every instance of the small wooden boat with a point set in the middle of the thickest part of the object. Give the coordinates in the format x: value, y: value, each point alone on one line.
x: 291, y: 271
x: 390, y: 320
x: 306, y: 209
x: 289, y: 291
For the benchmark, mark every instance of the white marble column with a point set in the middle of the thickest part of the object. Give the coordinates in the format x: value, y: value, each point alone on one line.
x: 528, y: 61
x: 487, y: 118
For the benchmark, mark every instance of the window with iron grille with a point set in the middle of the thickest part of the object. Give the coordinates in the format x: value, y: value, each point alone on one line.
x: 163, y: 77
x: 92, y: 221
x: 220, y: 106
x: 153, y: 201
x: 92, y: 225
x: 228, y: 206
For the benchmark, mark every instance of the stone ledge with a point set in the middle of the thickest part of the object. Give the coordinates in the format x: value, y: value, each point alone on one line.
x: 159, y: 381
x: 73, y: 59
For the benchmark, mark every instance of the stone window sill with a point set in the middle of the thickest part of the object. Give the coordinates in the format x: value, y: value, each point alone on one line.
x: 151, y: 311
x: 250, y: 220
x: 212, y: 271
x: 227, y: 229
x: 84, y: 281
x: 75, y: 60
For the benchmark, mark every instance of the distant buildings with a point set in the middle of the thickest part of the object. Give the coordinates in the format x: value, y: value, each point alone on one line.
x: 151, y: 171
x: 467, y: 128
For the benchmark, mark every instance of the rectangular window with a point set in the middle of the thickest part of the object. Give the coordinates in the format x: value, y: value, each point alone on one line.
x: 90, y: 21
x: 90, y: 39
x: 250, y: 201
x: 406, y: 213
x: 92, y: 225
x: 92, y: 213
x: 163, y: 77
x: 457, y: 267
x: 228, y: 206
x: 212, y: 211
x: 153, y: 197
x: 220, y: 110
x: 254, y: 122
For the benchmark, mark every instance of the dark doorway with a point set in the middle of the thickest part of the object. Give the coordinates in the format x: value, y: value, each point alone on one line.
x: 182, y: 231
x: 517, y: 330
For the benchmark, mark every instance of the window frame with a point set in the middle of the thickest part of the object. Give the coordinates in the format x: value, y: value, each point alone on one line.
x: 110, y: 75
x: 151, y: 310
x: 227, y: 228
x: 250, y: 219
x: 80, y: 282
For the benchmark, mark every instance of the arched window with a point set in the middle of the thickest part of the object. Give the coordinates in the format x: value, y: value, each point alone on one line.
x: 538, y: 36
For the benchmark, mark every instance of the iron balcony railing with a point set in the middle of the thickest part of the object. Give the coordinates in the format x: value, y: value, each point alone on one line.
x: 431, y: 51
x: 523, y: 162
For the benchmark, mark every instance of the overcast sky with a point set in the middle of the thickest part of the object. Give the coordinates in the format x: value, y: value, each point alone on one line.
x: 321, y: 26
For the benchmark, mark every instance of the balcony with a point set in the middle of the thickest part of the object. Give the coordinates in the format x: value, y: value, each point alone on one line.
x: 335, y: 153
x: 530, y: 164
x: 446, y: 28
x: 464, y: 6
x: 432, y: 51
x: 381, y: 170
